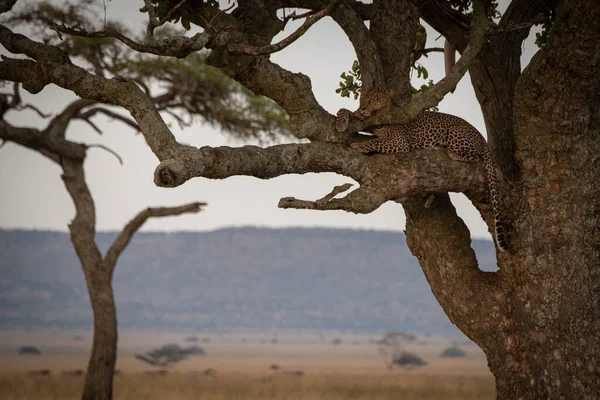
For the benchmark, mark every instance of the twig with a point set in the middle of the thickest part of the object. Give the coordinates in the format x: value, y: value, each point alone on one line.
x: 273, y: 48
x: 336, y: 190
x: 103, y: 147
x: 219, y: 13
x: 90, y: 112
x: 94, y: 127
x: 41, y: 114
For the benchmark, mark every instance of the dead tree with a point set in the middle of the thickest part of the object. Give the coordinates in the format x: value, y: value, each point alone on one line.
x: 537, y: 318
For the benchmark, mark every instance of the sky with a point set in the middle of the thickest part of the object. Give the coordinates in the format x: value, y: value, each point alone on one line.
x: 32, y: 195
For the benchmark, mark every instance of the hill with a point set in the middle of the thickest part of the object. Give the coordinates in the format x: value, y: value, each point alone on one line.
x: 230, y: 279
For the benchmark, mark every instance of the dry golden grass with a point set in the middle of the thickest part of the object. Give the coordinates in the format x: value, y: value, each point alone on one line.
x: 234, y: 386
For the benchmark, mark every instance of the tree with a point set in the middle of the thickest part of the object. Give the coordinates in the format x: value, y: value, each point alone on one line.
x: 537, y: 318
x: 169, y: 355
x: 391, y: 348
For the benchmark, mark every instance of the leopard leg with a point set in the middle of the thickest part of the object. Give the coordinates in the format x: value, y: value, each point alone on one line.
x: 342, y: 119
x: 382, y: 145
x: 463, y: 152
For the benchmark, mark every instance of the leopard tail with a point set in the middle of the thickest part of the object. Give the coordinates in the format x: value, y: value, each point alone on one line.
x: 493, y: 188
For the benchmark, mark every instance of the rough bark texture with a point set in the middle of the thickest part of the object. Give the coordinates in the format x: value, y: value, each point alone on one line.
x: 553, y: 350
x: 537, y: 318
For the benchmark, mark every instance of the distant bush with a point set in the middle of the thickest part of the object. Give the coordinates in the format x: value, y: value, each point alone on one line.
x: 453, y: 352
x: 169, y: 355
x: 336, y: 341
x: 191, y: 339
x: 205, y: 340
x: 408, y: 360
x: 194, y: 351
x: 29, y: 350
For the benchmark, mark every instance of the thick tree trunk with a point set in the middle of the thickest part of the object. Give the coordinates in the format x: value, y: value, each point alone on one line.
x: 101, y: 366
x: 552, y: 311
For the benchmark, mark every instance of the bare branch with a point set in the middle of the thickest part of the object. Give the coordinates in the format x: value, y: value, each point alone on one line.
x: 57, y: 127
x: 336, y: 190
x: 34, y: 108
x: 95, y: 110
x: 449, y: 57
x: 121, y: 242
x: 36, y: 140
x: 103, y: 147
x: 174, y: 46
x: 360, y: 201
x: 311, y: 20
x: 153, y: 21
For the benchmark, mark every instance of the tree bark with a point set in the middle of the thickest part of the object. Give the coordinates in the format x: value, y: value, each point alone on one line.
x: 101, y: 365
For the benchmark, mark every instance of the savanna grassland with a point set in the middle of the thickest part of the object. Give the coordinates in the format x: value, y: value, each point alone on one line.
x: 307, y: 368
x: 249, y: 386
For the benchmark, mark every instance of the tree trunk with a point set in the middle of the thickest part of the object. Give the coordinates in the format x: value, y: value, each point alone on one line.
x: 101, y: 366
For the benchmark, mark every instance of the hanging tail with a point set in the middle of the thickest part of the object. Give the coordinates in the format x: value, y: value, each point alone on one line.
x: 493, y: 187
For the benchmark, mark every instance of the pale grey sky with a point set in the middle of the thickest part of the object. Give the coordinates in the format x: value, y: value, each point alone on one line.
x: 32, y: 194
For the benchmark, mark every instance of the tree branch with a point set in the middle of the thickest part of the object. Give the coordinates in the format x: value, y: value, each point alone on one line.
x: 57, y: 127
x: 92, y: 111
x: 115, y: 91
x: 364, y: 46
x: 36, y: 140
x: 262, y: 50
x: 121, y: 242
x: 363, y: 200
x: 172, y: 46
x: 382, y: 177
x: 442, y: 243
x: 452, y: 24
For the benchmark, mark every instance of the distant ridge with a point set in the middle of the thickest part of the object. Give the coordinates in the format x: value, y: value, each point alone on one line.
x: 230, y: 279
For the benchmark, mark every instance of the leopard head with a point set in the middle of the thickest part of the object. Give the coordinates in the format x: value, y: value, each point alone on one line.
x: 372, y: 99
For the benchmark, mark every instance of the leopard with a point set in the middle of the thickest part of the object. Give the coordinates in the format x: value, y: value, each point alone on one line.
x: 429, y: 130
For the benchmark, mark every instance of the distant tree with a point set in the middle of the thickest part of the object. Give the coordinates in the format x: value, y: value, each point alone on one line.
x: 391, y: 347
x: 169, y: 355
x: 191, y: 339
x: 29, y: 350
x: 453, y: 352
x: 336, y: 341
x: 407, y: 360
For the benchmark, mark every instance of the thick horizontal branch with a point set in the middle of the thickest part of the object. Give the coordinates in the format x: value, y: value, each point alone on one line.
x: 387, y: 176
x: 121, y: 242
